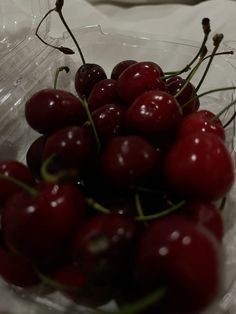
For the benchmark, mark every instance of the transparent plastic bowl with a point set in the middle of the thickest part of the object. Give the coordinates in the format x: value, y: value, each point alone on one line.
x: 107, y: 50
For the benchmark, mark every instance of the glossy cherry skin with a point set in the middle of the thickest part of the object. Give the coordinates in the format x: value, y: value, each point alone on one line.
x: 109, y: 121
x: 103, y: 93
x: 120, y: 67
x: 39, y: 227
x: 201, y: 121
x: 86, y: 77
x: 34, y: 155
x: 16, y: 270
x: 174, y: 85
x: 17, y: 170
x: 185, y: 256
x: 200, y: 165
x: 52, y: 109
x: 73, y: 146
x: 137, y: 79
x: 154, y: 114
x: 102, y: 245
x: 128, y: 160
x: 206, y: 214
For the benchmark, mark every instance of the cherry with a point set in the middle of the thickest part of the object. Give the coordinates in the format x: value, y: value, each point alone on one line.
x: 34, y: 155
x: 73, y: 146
x: 102, y: 245
x: 201, y: 121
x: 120, y: 67
x: 52, y: 109
x: 16, y: 270
x: 78, y: 286
x: 207, y: 214
x: 104, y: 92
x: 128, y: 160
x: 38, y: 227
x: 200, y: 165
x: 154, y: 114
x: 139, y: 78
x: 16, y: 170
x: 109, y: 121
x: 174, y: 85
x: 184, y: 256
x: 86, y: 77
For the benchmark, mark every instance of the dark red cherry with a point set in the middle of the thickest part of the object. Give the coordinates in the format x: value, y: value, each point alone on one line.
x: 74, y: 147
x: 174, y: 85
x: 102, y: 244
x: 184, y: 257
x: 39, y: 227
x: 79, y: 286
x: 120, y: 67
x: 16, y: 270
x: 103, y: 93
x: 109, y: 121
x: 87, y: 76
x: 34, y: 155
x: 154, y: 114
x: 52, y: 109
x: 16, y: 170
x: 201, y: 121
x: 201, y: 166
x: 207, y: 214
x: 137, y: 79
x: 128, y: 160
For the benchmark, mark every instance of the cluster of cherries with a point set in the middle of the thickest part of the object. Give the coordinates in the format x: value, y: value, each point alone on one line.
x: 117, y: 200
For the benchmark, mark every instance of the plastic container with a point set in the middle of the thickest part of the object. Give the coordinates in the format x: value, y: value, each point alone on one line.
x: 15, y: 135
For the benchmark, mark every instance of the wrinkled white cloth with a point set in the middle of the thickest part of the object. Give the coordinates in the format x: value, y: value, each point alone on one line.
x: 150, y: 17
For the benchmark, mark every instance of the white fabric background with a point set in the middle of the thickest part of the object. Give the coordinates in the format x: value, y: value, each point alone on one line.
x: 179, y: 20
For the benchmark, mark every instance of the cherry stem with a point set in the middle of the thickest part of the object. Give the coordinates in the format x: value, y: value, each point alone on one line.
x: 190, y: 76
x: 143, y: 303
x: 138, y: 205
x: 143, y: 189
x: 161, y: 214
x: 60, y: 69
x: 230, y: 120
x: 222, y: 204
x: 90, y: 118
x: 92, y: 203
x: 206, y: 93
x: 207, y: 30
x: 58, y: 9
x: 216, y: 117
x: 28, y: 189
x: 65, y: 50
x: 60, y: 175
x: 217, y: 39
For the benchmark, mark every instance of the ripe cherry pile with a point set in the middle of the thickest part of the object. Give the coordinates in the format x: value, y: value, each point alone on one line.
x: 117, y: 200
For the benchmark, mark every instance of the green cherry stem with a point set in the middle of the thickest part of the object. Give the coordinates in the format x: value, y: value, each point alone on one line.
x: 217, y: 39
x: 60, y: 69
x: 142, y: 303
x: 216, y: 117
x: 206, y: 29
x: 138, y: 205
x: 90, y: 119
x: 58, y: 176
x: 92, y: 203
x: 28, y: 189
x: 58, y: 9
x: 163, y: 213
x: 141, y: 217
x: 208, y: 92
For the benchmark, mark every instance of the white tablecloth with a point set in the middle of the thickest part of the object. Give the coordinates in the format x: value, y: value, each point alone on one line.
x: 179, y: 20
